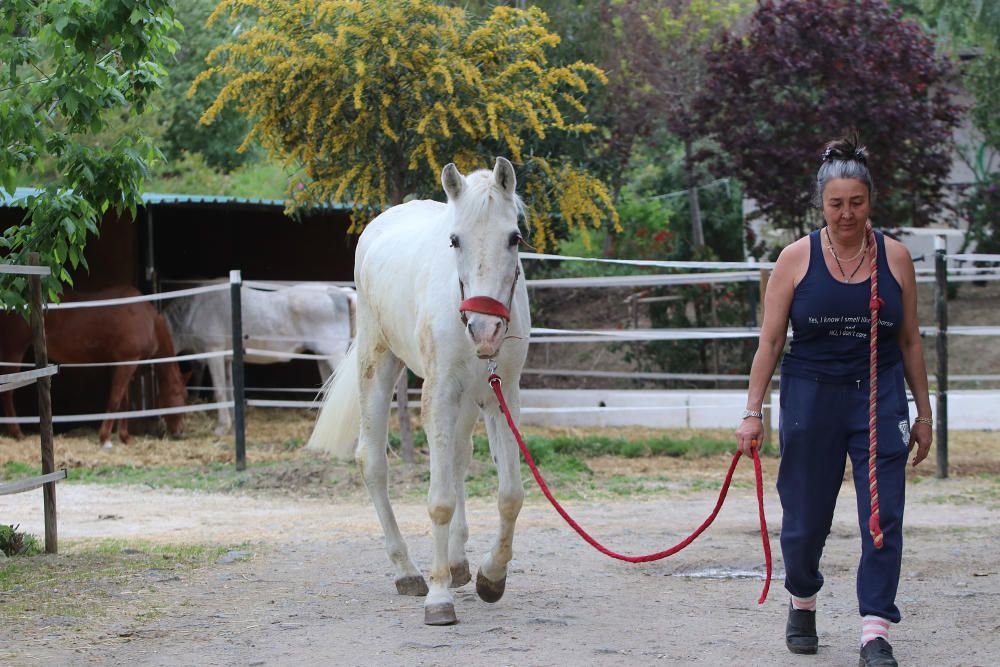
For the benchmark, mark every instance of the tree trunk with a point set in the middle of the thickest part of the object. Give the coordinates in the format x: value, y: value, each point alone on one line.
x: 697, y: 232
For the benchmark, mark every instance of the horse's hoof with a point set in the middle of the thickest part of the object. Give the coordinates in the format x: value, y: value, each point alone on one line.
x: 460, y: 574
x: 108, y: 444
x: 489, y: 591
x: 411, y: 585
x: 440, y: 614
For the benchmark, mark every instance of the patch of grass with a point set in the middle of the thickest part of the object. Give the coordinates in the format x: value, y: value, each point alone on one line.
x: 18, y: 469
x: 594, y: 445
x: 216, y: 476
x: 983, y: 491
x: 563, y: 460
x: 14, y: 543
x: 292, y: 444
x: 87, y: 578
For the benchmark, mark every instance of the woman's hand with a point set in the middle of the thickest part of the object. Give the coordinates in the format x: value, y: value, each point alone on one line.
x: 749, y: 434
x: 921, y: 435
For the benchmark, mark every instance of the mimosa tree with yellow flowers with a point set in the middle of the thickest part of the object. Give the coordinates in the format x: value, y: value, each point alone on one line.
x: 371, y: 99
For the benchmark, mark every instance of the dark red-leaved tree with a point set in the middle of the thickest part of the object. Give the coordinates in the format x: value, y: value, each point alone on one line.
x: 809, y: 70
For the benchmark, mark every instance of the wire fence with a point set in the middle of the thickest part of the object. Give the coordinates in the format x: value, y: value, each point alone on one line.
x: 684, y: 273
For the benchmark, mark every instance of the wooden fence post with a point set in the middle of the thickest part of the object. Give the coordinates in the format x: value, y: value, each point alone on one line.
x: 239, y: 391
x: 44, y: 385
x: 403, y: 412
x: 941, y: 308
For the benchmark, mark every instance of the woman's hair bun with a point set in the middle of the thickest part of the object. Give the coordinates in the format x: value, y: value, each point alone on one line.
x: 848, y: 149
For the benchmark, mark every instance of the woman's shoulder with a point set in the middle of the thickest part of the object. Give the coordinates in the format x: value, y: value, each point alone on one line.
x: 793, y: 262
x: 892, y: 246
x: 899, y: 259
x: 796, y: 251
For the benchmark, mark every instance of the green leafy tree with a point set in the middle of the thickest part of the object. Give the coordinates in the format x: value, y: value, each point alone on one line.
x: 659, y: 177
x: 371, y: 100
x: 657, y: 67
x: 970, y: 31
x: 184, y: 133
x: 69, y: 66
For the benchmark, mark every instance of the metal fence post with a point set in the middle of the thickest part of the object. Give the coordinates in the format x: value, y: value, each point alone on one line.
x: 941, y: 308
x: 239, y: 393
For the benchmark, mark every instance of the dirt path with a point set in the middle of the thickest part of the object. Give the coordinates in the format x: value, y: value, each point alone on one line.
x: 317, y: 588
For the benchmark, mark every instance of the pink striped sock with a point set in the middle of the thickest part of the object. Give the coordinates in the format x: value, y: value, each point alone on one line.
x: 873, y: 627
x: 804, y: 604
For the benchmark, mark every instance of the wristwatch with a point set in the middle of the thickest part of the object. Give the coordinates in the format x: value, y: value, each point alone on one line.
x: 752, y: 413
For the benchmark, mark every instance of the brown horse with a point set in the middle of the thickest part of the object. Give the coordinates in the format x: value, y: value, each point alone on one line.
x: 129, y: 332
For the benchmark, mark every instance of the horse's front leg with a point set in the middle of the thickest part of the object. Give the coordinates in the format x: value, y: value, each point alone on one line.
x: 491, y: 579
x: 458, y: 534
x: 440, y: 413
x: 120, y: 376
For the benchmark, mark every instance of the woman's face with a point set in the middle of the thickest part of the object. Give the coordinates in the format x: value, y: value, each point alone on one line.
x: 846, y: 205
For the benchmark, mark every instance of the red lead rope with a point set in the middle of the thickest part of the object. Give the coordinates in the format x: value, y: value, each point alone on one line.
x: 495, y: 383
x: 873, y: 523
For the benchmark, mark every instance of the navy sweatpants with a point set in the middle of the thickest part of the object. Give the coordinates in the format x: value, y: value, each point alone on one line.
x: 821, y: 424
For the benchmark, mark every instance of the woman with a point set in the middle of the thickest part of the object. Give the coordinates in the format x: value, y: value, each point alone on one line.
x: 822, y: 284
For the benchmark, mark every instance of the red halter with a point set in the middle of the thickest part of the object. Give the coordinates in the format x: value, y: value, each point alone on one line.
x: 484, y: 305
x: 487, y: 305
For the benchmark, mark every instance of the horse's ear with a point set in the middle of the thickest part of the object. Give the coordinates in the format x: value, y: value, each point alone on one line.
x: 503, y: 174
x: 452, y: 180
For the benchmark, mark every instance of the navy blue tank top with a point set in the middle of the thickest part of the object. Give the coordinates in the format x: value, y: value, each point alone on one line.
x: 831, y: 323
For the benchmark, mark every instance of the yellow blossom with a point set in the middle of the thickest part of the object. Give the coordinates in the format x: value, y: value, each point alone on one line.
x: 371, y: 98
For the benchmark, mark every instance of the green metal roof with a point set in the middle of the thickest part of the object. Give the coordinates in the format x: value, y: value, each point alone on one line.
x: 164, y: 199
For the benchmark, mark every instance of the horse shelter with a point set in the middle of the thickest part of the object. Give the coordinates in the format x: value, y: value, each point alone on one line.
x: 176, y: 241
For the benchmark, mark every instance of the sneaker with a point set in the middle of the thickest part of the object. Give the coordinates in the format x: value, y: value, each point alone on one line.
x: 877, y: 653
x: 800, y: 631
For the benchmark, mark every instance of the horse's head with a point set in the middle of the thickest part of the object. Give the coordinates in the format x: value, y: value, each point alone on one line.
x: 485, y: 238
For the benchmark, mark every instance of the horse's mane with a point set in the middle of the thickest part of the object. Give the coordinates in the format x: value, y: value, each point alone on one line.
x: 481, y: 195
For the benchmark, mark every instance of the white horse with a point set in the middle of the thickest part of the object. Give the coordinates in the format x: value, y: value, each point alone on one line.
x: 285, y: 321
x: 416, y: 266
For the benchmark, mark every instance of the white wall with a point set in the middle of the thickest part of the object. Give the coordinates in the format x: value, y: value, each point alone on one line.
x: 967, y: 410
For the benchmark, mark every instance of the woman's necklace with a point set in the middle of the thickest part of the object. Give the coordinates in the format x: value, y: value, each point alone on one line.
x: 840, y: 266
x: 829, y: 244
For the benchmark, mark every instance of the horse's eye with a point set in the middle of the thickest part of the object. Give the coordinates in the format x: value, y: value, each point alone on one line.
x: 515, y: 238
x: 454, y: 242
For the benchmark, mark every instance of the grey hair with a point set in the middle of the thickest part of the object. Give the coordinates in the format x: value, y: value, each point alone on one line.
x: 843, y: 158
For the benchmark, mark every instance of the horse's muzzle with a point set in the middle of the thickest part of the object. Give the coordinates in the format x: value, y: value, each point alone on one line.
x: 486, y: 322
x: 487, y: 333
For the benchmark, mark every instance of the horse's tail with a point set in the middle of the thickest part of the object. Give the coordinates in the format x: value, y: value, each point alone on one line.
x: 336, y: 429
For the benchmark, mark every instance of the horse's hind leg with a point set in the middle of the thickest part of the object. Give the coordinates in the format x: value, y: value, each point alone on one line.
x: 492, y: 577
x: 13, y: 430
x: 379, y: 370
x: 120, y: 376
x: 122, y: 422
x: 220, y: 388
